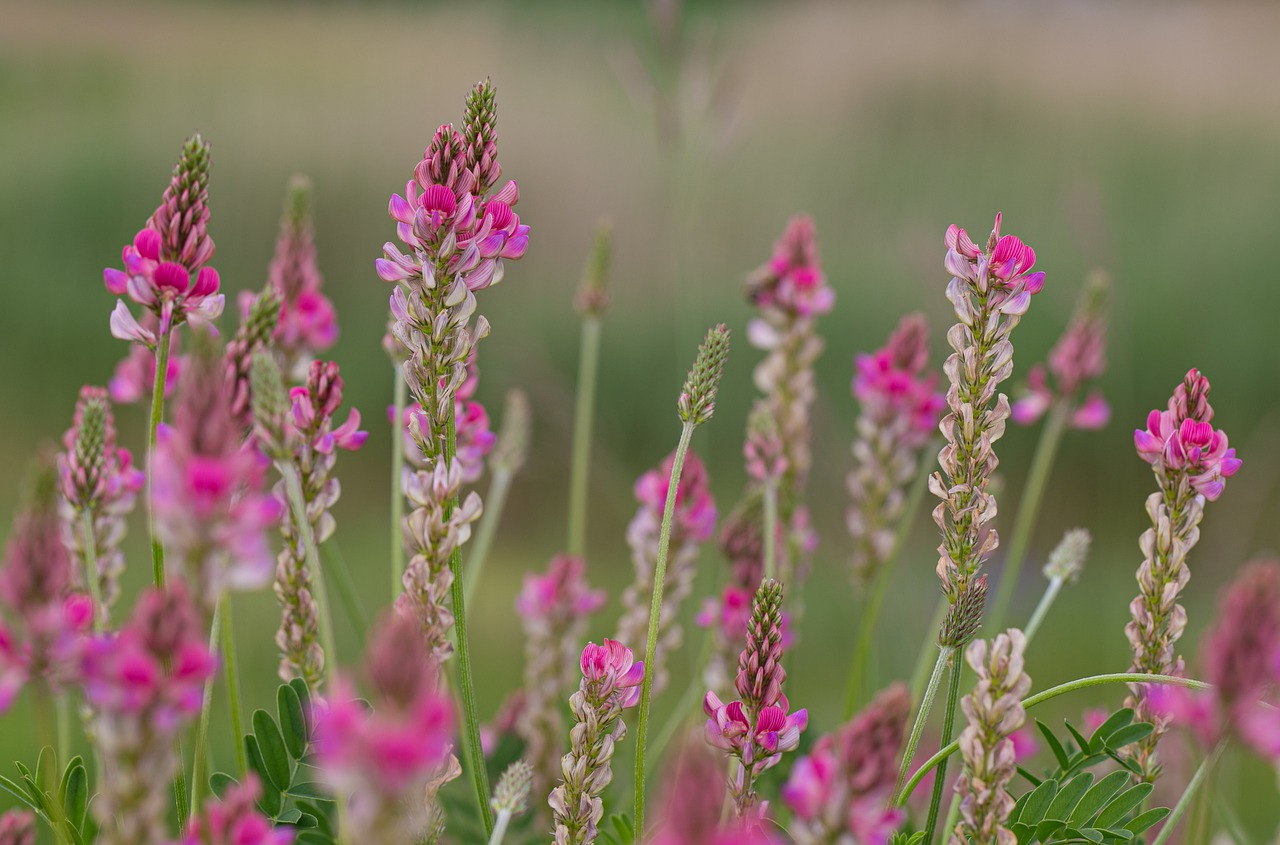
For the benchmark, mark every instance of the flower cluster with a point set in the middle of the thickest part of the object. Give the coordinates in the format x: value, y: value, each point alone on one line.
x: 1191, y: 462
x: 692, y: 803
x: 994, y: 710
x: 693, y: 523
x: 473, y: 436
x: 143, y: 685
x: 18, y: 827
x: 384, y: 759
x: 135, y: 375
x: 99, y: 487
x: 900, y: 410
x: 611, y: 679
x: 990, y: 290
x: 553, y: 609
x: 234, y: 819
x: 308, y: 322
x: 839, y: 790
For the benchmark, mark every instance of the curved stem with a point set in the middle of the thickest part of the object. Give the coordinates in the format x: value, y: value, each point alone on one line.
x: 771, y: 528
x: 1039, y: 698
x: 1028, y: 510
x: 397, y: 495
x: 500, y: 827
x: 655, y: 613
x: 473, y: 752
x: 875, y: 601
x: 232, y: 675
x: 1188, y: 794
x: 920, y: 675
x: 495, y: 501
x: 90, y: 545
x: 579, y: 472
x: 922, y: 715
x: 298, y: 505
x: 948, y: 727
x: 153, y: 423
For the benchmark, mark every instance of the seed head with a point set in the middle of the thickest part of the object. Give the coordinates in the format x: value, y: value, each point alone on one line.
x: 511, y: 795
x: 1067, y: 558
x: 964, y: 616
x: 698, y: 398
x: 270, y: 403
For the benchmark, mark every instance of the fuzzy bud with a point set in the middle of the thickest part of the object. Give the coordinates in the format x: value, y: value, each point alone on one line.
x: 760, y: 672
x: 964, y: 616
x: 257, y: 325
x: 511, y: 795
x: 698, y: 398
x: 270, y: 403
x: 1067, y: 558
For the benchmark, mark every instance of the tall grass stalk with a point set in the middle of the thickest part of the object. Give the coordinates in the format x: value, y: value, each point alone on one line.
x: 584, y: 407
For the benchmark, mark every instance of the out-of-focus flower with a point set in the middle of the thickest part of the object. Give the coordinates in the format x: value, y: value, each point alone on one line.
x: 235, y: 819
x: 18, y: 827
x: 1179, y: 440
x: 135, y: 375
x: 308, y: 321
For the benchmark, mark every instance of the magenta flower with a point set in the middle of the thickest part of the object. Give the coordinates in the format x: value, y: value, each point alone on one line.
x: 892, y: 384
x: 760, y: 745
x: 18, y: 827
x: 308, y: 321
x: 1178, y: 444
x: 235, y: 820
x: 792, y: 280
x: 1004, y: 268
x: 613, y: 668
x: 563, y: 591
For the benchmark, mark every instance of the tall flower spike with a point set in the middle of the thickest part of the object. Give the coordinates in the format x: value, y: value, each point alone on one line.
x: 1077, y: 359
x: 553, y: 609
x: 994, y: 710
x: 593, y: 296
x: 756, y: 730
x: 990, y: 290
x: 165, y: 267
x: 99, y: 487
x: 900, y: 410
x: 610, y: 683
x: 698, y: 397
x: 259, y: 319
x: 692, y: 524
x: 144, y: 685
x: 511, y: 446
x: 841, y: 787
x: 1191, y: 462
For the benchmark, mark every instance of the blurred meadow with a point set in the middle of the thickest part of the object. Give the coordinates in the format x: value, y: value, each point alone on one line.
x: 1138, y: 138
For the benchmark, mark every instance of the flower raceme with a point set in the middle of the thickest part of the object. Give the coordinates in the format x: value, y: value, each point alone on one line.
x: 1181, y: 440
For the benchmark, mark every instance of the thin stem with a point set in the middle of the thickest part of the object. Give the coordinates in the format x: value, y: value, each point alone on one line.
x: 948, y: 726
x: 1039, y: 698
x: 90, y: 545
x: 1042, y: 609
x: 579, y: 472
x: 922, y: 715
x: 345, y: 584
x: 232, y: 675
x: 953, y: 815
x: 655, y: 613
x: 500, y: 827
x: 880, y: 588
x: 63, y: 715
x: 397, y: 494
x: 494, y: 503
x: 473, y: 751
x: 920, y: 675
x: 771, y: 528
x: 297, y: 503
x: 201, y: 751
x: 43, y: 709
x: 1028, y: 510
x: 153, y: 423
x: 1188, y: 794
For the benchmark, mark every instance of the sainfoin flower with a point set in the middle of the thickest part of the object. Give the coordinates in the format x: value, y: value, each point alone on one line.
x: 308, y: 321
x: 611, y: 679
x: 693, y: 798
x: 234, y: 819
x: 165, y: 267
x: 693, y: 523
x: 144, y: 685
x: 384, y: 758
x: 135, y: 375
x: 473, y: 436
x: 18, y: 827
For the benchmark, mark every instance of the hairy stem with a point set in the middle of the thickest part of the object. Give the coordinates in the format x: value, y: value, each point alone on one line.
x: 948, y: 728
x: 920, y: 675
x: 153, y: 423
x: 495, y: 501
x: 90, y: 546
x: 1189, y: 794
x: 397, y: 495
x: 922, y: 715
x: 298, y: 505
x: 655, y: 613
x: 1028, y: 510
x: 579, y: 472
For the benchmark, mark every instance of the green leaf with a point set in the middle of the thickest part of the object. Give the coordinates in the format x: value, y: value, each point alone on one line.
x: 20, y: 792
x: 313, y: 837
x: 1038, y: 803
x: 299, y: 688
x: 1146, y: 820
x: 1129, y: 735
x: 74, y: 792
x: 289, y: 816
x: 1068, y: 797
x: 1091, y: 835
x: 311, y: 790
x: 293, y: 722
x: 1113, y: 723
x: 1096, y: 798
x: 322, y: 812
x: 220, y: 782
x: 271, y: 744
x: 271, y: 801
x: 1047, y: 828
x: 1054, y: 745
x: 1120, y: 807
x: 1081, y: 742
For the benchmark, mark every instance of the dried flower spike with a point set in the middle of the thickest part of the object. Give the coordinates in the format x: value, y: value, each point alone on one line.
x: 698, y: 397
x: 964, y: 617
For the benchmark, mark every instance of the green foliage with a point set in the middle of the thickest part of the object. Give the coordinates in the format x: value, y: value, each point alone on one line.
x: 279, y: 752
x: 1071, y: 806
x: 618, y: 830
x: 72, y: 803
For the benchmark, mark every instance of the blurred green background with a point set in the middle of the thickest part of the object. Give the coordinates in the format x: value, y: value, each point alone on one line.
x: 1141, y: 139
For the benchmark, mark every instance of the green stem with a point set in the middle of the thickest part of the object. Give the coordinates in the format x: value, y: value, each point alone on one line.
x: 880, y: 588
x: 91, y: 578
x: 655, y: 613
x: 922, y: 715
x: 473, y: 752
x: 1028, y: 510
x: 201, y: 751
x: 1188, y: 794
x: 43, y: 710
x: 953, y: 815
x: 1041, y: 697
x: 1042, y: 609
x: 63, y: 716
x: 500, y: 827
x: 336, y: 565
x: 231, y: 673
x: 920, y: 675
x: 298, y: 504
x: 579, y: 473
x: 157, y: 413
x: 397, y: 495
x: 948, y: 726
x: 771, y: 528
x: 494, y: 503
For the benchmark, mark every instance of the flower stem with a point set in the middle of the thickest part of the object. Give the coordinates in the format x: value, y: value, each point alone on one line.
x: 922, y: 715
x: 157, y: 413
x: 880, y: 588
x: 1042, y: 609
x: 397, y: 495
x: 473, y: 751
x: 345, y: 585
x: 1040, y: 698
x: 231, y: 674
x: 948, y: 727
x: 201, y: 751
x: 688, y: 699
x: 90, y: 546
x: 655, y: 614
x: 494, y: 503
x: 579, y: 473
x: 1028, y: 510
x: 297, y: 503
x: 920, y: 675
x: 771, y: 528
x: 500, y: 827
x: 1188, y: 794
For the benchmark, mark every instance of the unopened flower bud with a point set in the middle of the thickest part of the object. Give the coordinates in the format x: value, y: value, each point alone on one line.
x: 269, y: 403
x: 511, y: 795
x: 1067, y: 558
x: 698, y: 398
x: 964, y: 615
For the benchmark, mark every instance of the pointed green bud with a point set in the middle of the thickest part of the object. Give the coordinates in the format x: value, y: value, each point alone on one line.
x: 698, y: 398
x: 297, y: 202
x: 263, y: 317
x: 593, y: 299
x: 1067, y: 558
x: 511, y: 795
x: 964, y: 616
x: 270, y: 403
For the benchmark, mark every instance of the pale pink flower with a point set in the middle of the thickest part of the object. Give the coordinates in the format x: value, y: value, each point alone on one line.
x: 135, y: 375
x: 18, y: 827
x: 308, y: 321
x: 792, y: 279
